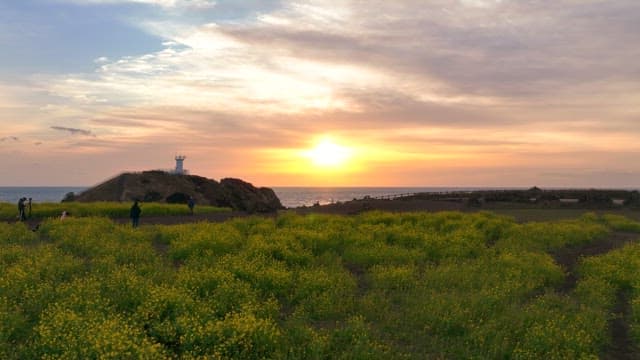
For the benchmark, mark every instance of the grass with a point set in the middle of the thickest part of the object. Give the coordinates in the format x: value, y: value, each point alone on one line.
x: 550, y: 214
x: 107, y: 209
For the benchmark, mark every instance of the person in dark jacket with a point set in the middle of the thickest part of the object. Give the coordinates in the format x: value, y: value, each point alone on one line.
x: 191, y: 204
x: 134, y: 214
x: 21, y: 209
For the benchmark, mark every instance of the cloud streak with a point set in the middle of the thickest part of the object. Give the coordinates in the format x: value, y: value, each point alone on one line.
x: 194, y: 4
x: 306, y: 56
x: 73, y: 131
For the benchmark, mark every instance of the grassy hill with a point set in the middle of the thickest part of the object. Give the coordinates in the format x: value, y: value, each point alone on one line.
x: 159, y: 186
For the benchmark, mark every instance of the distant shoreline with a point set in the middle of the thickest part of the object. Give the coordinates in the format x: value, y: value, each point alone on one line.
x: 290, y: 196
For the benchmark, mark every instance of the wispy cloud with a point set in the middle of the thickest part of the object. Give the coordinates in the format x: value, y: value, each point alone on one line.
x: 73, y: 131
x: 9, y: 138
x: 514, y: 81
x: 198, y: 4
x: 314, y: 55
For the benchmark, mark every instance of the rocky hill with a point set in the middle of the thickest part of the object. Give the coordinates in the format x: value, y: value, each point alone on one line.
x: 159, y: 186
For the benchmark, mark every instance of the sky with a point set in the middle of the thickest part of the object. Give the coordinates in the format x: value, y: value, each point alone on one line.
x: 322, y: 92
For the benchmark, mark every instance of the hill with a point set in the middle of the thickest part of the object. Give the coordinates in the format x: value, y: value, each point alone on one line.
x: 159, y: 186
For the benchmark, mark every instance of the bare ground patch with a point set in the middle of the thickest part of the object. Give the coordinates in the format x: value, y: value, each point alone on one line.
x: 621, y: 347
x: 569, y: 257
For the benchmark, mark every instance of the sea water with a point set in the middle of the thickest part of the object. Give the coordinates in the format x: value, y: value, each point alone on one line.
x: 38, y: 194
x: 307, y: 196
x: 289, y: 196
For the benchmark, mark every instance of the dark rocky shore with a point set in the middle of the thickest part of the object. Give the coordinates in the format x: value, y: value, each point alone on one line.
x: 160, y: 186
x: 491, y: 200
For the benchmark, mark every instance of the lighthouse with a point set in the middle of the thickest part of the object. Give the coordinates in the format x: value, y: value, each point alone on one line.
x: 179, y: 164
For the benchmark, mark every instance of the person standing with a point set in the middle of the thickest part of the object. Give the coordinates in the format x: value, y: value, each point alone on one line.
x: 191, y: 204
x: 134, y: 214
x: 21, y: 213
x: 29, y: 208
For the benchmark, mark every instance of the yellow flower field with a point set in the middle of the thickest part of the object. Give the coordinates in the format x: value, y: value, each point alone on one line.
x: 372, y: 286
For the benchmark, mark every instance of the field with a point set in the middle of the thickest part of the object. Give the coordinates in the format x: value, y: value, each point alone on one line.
x: 106, y: 209
x: 376, y: 285
x: 550, y: 214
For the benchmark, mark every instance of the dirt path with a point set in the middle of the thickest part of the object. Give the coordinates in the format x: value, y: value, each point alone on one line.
x: 400, y: 205
x: 569, y: 257
x: 186, y: 219
x: 359, y: 273
x: 167, y: 219
x: 621, y: 347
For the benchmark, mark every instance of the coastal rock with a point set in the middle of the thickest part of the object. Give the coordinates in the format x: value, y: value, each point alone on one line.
x: 244, y: 196
x: 159, y: 186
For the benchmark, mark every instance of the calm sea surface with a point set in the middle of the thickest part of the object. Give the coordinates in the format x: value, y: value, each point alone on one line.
x: 289, y: 196
x: 299, y: 196
x: 38, y: 194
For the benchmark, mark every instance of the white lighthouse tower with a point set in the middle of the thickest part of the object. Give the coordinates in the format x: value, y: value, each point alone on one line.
x: 179, y: 164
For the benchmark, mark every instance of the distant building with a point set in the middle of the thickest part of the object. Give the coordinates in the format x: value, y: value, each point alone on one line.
x: 180, y: 170
x: 569, y: 201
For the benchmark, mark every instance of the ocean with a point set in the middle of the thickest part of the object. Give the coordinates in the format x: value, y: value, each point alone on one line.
x: 307, y: 196
x: 289, y: 196
x: 40, y: 194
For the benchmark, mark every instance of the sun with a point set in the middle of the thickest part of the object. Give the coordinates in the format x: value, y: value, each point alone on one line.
x: 328, y: 154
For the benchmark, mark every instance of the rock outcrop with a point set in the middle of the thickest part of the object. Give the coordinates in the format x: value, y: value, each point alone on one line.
x: 159, y: 186
x: 242, y: 195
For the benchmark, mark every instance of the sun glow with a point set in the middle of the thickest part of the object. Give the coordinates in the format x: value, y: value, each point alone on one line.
x: 328, y: 154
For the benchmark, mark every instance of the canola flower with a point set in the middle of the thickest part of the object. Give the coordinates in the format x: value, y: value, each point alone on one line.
x: 103, y: 208
x: 376, y: 285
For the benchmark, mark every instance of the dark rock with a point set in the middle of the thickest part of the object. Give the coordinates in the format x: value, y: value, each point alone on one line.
x: 178, y: 198
x: 158, y: 186
x: 70, y: 196
x: 244, y: 196
x: 152, y: 196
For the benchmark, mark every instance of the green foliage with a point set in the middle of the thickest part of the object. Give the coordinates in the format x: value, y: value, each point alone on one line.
x: 63, y: 333
x: 548, y: 236
x: 108, y: 209
x: 611, y: 276
x: 622, y: 223
x: 554, y: 327
x: 376, y: 285
x: 15, y: 234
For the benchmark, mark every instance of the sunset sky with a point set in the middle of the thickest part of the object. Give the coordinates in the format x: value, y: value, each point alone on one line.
x: 322, y: 92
